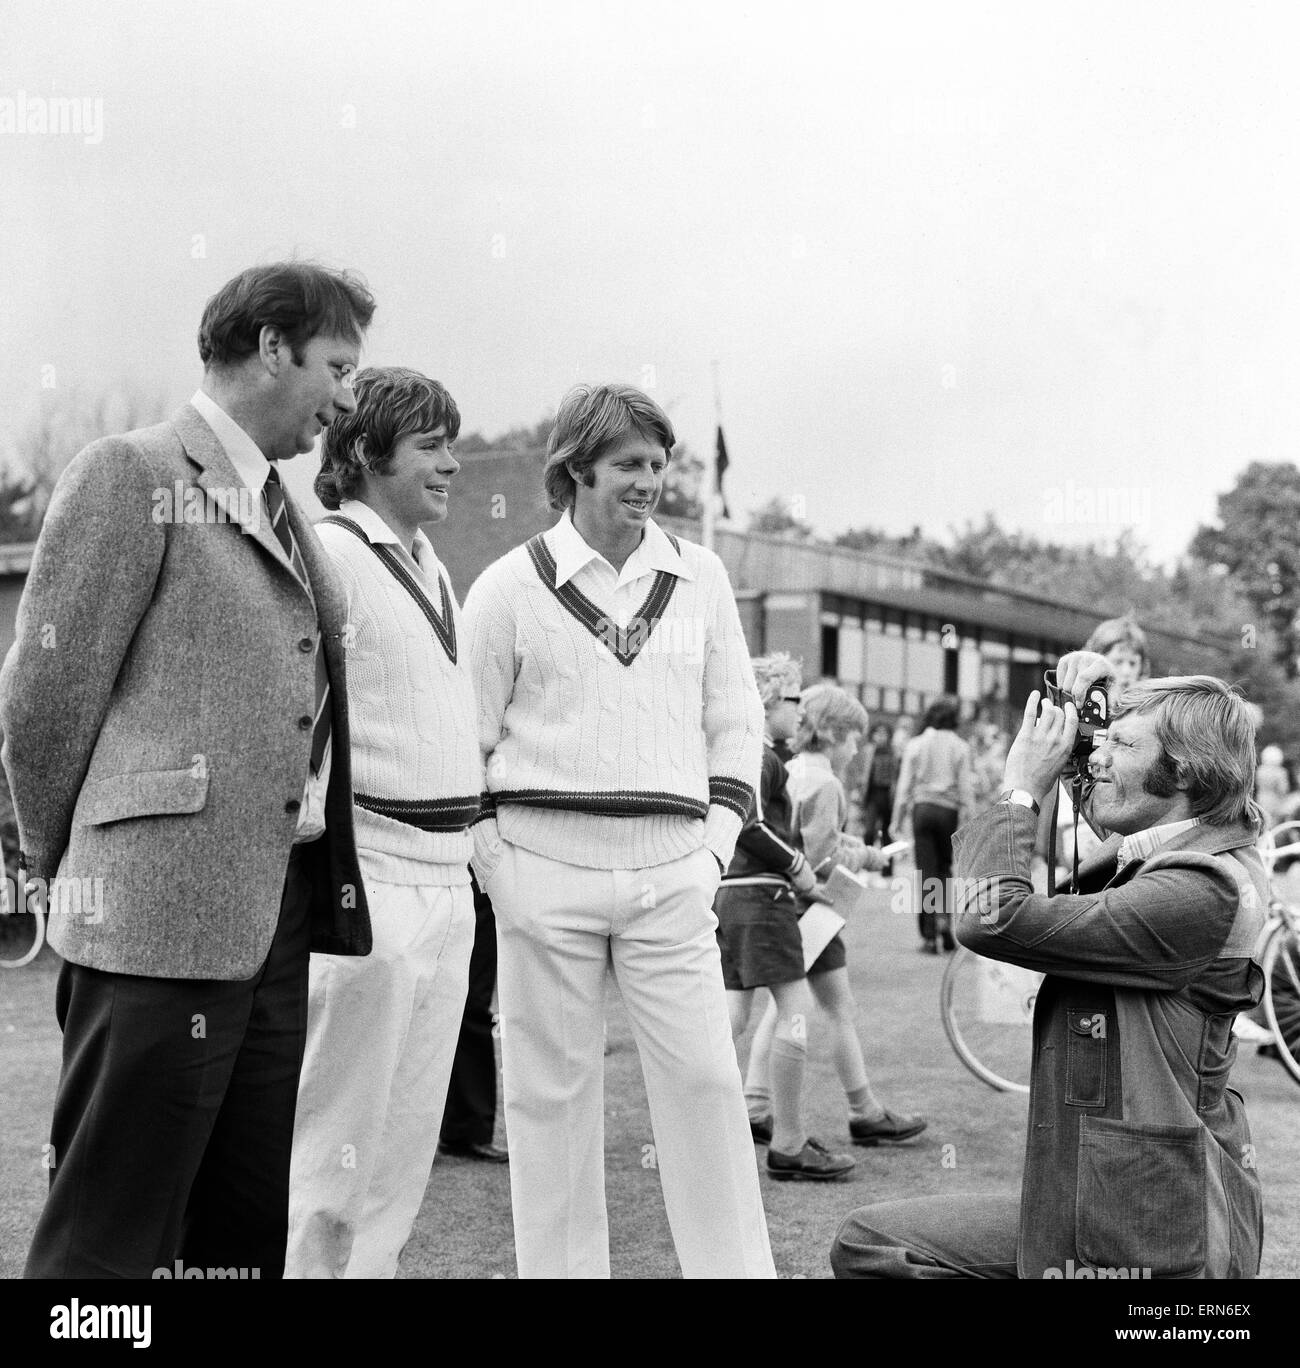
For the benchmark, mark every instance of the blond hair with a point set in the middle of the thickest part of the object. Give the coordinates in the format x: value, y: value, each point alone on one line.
x: 776, y: 675
x: 1207, y: 738
x: 829, y: 716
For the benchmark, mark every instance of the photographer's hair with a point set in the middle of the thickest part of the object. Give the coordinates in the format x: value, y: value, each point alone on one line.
x: 298, y: 297
x: 591, y: 419
x: 776, y: 675
x: 1207, y: 741
x: 391, y: 402
x: 941, y: 714
x: 1119, y: 631
x: 829, y: 715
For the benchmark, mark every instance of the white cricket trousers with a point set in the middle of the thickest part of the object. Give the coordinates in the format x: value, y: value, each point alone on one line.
x: 558, y: 928
x: 381, y: 1036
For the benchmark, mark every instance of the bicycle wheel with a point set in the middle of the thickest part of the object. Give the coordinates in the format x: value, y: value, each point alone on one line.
x: 987, y: 1010
x: 1281, y: 964
x: 34, y: 949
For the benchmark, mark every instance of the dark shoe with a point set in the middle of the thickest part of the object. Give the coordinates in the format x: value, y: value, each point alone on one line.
x: 889, y: 1130
x: 760, y: 1127
x: 489, y: 1153
x: 813, y: 1163
x: 928, y: 948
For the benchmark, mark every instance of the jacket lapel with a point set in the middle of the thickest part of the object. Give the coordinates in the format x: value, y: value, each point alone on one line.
x: 218, y: 478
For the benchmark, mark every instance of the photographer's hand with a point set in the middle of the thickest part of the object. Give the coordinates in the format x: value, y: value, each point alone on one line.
x: 1079, y: 670
x: 1043, y: 745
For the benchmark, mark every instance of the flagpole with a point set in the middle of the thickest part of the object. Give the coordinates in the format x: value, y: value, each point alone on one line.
x: 710, y: 499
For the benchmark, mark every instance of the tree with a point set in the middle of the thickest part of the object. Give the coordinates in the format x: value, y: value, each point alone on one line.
x: 62, y: 423
x: 1258, y: 544
x: 914, y: 545
x: 530, y: 439
x: 775, y: 517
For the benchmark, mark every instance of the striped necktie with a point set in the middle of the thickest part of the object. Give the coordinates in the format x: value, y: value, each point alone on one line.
x: 273, y: 494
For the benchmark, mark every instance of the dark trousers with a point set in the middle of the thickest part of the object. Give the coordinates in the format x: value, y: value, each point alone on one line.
x: 877, y: 809
x: 173, y: 1120
x: 929, y: 1237
x: 932, y: 830
x: 469, y: 1117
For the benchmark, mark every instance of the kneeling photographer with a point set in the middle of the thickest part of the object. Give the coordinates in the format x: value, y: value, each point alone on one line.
x: 1138, y: 1161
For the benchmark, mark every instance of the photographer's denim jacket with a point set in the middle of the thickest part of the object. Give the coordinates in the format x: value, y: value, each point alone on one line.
x: 1138, y: 1154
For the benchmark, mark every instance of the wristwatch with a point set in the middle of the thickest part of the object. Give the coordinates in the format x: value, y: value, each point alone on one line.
x: 1021, y: 797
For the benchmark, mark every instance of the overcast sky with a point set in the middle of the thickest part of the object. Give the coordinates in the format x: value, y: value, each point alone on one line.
x: 1038, y: 259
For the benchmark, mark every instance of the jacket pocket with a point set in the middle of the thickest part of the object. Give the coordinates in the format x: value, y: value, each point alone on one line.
x: 148, y: 793
x: 1141, y: 1197
x: 1085, y: 1078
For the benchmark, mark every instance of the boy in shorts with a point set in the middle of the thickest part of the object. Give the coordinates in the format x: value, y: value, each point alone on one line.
x: 758, y: 934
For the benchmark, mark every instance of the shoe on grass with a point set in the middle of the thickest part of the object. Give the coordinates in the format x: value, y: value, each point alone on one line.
x: 889, y: 1129
x: 760, y: 1127
x: 813, y: 1163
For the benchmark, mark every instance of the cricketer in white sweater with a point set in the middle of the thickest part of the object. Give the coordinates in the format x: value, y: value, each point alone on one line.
x: 416, y: 771
x: 618, y: 716
x: 623, y: 735
x: 382, y: 1028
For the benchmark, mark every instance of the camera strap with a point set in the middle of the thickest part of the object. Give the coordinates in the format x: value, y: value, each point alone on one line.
x: 1076, y: 798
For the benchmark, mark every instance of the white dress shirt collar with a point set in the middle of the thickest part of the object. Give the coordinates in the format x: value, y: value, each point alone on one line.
x: 374, y: 526
x: 654, y: 553
x: 245, y: 455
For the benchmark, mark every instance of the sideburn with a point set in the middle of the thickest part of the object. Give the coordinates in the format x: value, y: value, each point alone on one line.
x: 1161, y: 780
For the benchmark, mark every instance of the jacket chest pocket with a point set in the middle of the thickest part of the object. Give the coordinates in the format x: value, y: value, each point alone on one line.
x: 1085, y: 1082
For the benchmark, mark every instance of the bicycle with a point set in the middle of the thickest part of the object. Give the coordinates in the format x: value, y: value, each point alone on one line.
x: 8, y: 894
x: 1278, y: 953
x: 987, y: 1009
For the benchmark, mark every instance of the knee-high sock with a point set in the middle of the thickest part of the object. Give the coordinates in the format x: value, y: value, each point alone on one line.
x: 789, y: 1058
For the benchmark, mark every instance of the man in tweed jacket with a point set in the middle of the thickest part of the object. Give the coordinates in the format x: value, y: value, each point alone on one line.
x: 170, y: 738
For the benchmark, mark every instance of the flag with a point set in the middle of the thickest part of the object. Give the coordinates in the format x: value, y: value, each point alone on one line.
x: 721, y: 463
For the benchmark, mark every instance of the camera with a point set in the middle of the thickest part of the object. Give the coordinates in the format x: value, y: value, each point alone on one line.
x: 1093, y: 717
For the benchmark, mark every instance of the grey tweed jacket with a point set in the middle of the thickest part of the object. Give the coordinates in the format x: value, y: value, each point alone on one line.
x: 156, y: 710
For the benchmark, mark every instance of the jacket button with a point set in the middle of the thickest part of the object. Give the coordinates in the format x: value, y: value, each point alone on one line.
x: 306, y: 644
x: 304, y: 723
x: 292, y: 805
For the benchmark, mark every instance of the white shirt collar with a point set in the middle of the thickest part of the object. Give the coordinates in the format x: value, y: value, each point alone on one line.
x: 654, y: 553
x: 374, y: 526
x: 245, y: 455
x: 1141, y: 845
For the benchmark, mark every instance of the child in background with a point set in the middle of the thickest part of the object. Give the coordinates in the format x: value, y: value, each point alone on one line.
x: 758, y: 934
x: 833, y: 724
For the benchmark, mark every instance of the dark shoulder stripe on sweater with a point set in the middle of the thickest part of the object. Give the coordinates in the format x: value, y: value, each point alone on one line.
x: 444, y: 626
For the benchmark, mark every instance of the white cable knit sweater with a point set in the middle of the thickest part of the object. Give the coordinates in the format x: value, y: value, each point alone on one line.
x: 416, y: 771
x: 605, y: 748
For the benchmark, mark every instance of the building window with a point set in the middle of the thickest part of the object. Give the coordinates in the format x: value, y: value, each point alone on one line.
x: 830, y: 651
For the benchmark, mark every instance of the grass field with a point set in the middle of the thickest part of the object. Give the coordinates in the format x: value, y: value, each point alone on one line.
x: 974, y: 1143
